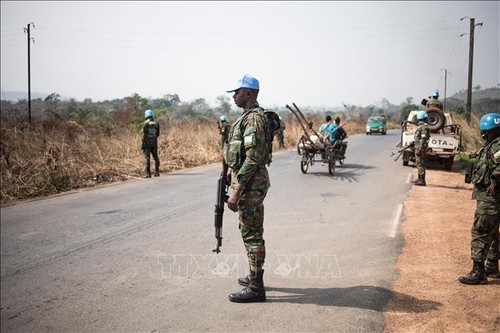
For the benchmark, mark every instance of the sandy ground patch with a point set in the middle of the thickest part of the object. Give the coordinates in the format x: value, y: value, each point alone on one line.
x: 436, y: 229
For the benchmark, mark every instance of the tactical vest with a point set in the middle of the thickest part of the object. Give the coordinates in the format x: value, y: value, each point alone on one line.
x: 422, y: 136
x: 481, y: 174
x: 235, y: 147
x: 434, y: 103
x: 151, y: 129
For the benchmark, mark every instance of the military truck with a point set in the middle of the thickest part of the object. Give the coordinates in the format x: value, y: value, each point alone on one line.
x: 445, y: 141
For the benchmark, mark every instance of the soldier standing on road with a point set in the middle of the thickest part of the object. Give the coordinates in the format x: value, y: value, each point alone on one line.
x: 246, y: 154
x: 485, y: 177
x: 281, y: 138
x: 150, y: 133
x: 421, y: 139
x: 224, y: 128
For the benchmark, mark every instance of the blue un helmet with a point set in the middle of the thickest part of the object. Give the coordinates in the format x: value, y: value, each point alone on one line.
x: 421, y: 115
x: 435, y: 94
x: 489, y: 121
x: 223, y: 118
x: 148, y: 114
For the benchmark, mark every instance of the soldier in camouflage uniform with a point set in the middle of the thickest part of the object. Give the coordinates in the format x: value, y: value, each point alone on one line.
x: 485, y: 177
x: 224, y: 128
x: 246, y: 154
x: 421, y: 139
x: 279, y: 133
x: 150, y: 133
x: 433, y: 101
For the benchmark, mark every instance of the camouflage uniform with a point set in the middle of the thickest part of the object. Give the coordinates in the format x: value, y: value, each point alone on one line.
x: 224, y: 128
x: 421, y: 138
x: 434, y: 103
x: 246, y: 155
x: 281, y: 139
x: 151, y: 131
x: 484, y: 244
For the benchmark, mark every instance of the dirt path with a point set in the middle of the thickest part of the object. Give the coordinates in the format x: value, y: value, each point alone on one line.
x: 436, y: 253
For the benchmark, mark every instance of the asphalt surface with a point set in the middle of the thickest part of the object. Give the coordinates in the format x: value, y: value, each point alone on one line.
x: 137, y: 256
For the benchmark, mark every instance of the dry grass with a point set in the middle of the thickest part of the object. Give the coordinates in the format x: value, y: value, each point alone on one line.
x: 58, y: 155
x: 471, y: 137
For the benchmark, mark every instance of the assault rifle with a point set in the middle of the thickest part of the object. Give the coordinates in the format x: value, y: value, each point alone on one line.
x: 400, y: 152
x: 222, y: 197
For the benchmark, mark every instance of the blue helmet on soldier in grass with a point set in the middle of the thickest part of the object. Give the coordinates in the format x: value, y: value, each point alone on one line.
x: 148, y: 114
x: 421, y: 115
x: 223, y: 118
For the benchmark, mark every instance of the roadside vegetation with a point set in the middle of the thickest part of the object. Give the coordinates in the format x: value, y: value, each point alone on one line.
x: 71, y: 145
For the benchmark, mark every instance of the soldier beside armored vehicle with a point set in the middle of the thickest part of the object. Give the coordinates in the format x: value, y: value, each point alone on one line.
x: 445, y: 139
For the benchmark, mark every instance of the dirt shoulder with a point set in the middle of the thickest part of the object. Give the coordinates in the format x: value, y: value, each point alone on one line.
x: 427, y: 294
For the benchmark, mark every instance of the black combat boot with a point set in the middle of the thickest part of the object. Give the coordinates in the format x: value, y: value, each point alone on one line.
x: 476, y: 276
x: 491, y: 269
x: 157, y: 169
x: 420, y: 182
x: 244, y: 281
x: 254, y: 292
x: 148, y: 172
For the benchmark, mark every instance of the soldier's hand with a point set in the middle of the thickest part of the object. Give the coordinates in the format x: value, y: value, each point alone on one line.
x: 418, y: 152
x: 492, y: 187
x: 233, y: 200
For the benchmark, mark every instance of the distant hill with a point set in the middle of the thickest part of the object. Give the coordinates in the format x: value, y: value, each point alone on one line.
x: 483, y: 101
x: 493, y: 93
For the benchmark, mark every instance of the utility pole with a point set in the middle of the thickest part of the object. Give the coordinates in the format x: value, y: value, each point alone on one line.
x: 27, y: 30
x: 445, y: 79
x: 471, y: 61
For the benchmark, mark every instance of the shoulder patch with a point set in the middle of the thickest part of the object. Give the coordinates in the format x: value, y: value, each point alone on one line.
x: 249, y: 140
x: 496, y: 156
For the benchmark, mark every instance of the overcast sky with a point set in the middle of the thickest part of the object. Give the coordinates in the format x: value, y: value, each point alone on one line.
x: 310, y: 53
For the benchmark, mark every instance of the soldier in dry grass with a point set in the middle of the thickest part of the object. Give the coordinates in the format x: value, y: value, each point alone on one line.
x: 150, y: 133
x: 280, y: 134
x: 224, y: 128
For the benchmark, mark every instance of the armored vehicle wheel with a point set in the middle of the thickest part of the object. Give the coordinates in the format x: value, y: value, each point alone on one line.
x: 435, y: 118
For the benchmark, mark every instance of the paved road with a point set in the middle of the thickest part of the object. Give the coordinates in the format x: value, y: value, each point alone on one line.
x: 136, y: 257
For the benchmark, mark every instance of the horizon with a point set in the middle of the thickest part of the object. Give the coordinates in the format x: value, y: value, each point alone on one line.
x: 68, y: 98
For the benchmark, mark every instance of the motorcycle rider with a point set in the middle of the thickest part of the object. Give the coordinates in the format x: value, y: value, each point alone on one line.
x: 341, y: 135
